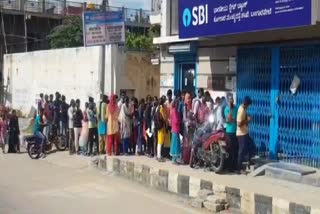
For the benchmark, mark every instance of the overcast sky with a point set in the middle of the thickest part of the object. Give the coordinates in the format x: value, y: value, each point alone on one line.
x: 144, y: 4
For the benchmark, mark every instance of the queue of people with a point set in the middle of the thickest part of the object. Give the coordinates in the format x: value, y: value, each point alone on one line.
x: 157, y: 127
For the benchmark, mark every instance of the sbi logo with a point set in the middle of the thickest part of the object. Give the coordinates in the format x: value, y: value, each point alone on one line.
x: 199, y: 16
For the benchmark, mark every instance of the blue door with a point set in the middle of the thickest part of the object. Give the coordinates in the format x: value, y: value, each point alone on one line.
x: 185, y: 73
x: 285, y: 125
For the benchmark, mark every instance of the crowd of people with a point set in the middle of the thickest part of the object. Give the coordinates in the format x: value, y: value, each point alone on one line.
x: 9, y: 130
x: 157, y: 127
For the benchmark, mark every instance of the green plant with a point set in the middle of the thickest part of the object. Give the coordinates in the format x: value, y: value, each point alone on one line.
x: 68, y: 34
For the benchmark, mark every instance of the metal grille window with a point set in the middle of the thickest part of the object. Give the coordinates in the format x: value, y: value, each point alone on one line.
x: 174, y: 17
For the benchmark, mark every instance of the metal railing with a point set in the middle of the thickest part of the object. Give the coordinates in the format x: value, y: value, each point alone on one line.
x: 65, y: 8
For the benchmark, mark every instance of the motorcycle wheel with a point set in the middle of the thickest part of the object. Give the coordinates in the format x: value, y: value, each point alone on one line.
x: 33, y: 151
x: 61, y: 143
x: 216, y: 151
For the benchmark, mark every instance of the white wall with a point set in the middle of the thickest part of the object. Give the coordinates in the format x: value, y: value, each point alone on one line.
x: 74, y: 72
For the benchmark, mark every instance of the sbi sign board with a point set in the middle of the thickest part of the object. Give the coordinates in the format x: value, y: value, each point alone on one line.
x: 201, y: 18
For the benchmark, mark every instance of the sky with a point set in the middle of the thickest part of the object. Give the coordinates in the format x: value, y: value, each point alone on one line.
x: 144, y: 4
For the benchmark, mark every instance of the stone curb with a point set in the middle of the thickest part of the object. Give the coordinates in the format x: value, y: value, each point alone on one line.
x: 189, y: 186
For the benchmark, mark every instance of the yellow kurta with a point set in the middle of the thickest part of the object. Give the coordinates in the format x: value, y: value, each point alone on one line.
x: 162, y: 132
x: 112, y: 122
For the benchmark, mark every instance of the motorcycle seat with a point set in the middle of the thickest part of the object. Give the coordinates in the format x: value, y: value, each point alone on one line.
x: 29, y: 137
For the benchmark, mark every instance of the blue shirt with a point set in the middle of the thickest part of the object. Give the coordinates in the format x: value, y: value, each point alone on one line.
x: 36, y: 126
x: 231, y: 127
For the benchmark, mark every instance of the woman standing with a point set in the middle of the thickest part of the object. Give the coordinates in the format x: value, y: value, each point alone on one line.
x: 84, y: 131
x: 175, y: 148
x: 14, y: 132
x: 141, y: 111
x: 3, y: 132
x: 160, y: 121
x: 189, y: 121
x: 125, y: 125
x: 209, y: 100
x: 134, y: 115
x: 112, y: 114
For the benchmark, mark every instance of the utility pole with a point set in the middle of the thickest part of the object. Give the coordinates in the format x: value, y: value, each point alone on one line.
x: 102, y: 66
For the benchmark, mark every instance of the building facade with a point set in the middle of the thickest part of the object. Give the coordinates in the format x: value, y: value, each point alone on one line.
x: 268, y: 51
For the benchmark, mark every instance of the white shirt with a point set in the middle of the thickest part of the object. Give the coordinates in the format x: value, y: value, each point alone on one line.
x: 70, y: 117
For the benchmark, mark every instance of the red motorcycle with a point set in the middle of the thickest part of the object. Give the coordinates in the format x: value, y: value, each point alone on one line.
x: 209, y: 147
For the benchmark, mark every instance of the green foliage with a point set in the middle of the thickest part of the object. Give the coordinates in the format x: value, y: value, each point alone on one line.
x: 68, y: 34
x: 139, y: 42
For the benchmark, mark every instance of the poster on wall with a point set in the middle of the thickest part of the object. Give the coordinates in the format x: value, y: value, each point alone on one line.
x: 220, y: 17
x: 103, y: 28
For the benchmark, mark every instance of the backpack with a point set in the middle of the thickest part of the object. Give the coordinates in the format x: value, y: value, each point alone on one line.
x: 158, y: 120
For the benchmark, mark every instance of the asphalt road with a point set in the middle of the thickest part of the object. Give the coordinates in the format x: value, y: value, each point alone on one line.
x: 61, y: 186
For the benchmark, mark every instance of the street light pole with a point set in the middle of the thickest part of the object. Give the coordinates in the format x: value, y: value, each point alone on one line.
x: 103, y: 56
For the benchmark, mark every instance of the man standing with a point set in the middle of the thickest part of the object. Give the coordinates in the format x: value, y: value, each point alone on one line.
x: 63, y: 116
x: 102, y: 127
x: 246, y: 146
x: 56, y: 111
x: 40, y: 103
x: 71, y: 112
x: 93, y: 131
x: 230, y: 113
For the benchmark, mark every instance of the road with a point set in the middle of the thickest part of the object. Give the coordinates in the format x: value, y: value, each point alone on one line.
x: 57, y: 186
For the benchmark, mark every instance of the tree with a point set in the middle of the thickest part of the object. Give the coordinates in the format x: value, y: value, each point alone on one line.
x: 68, y: 34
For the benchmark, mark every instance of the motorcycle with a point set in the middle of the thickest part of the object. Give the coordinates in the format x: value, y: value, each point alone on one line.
x: 209, y: 147
x: 34, y: 144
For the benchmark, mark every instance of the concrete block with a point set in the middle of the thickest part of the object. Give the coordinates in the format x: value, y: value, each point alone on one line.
x: 123, y: 168
x: 103, y: 164
x: 247, y: 202
x: 280, y: 206
x: 206, y: 184
x: 299, y: 209
x: 216, y: 200
x: 263, y: 204
x: 130, y: 170
x: 194, y: 186
x: 145, y: 175
x: 173, y: 182
x: 233, y: 197
x: 217, y: 188
x: 204, y: 193
x: 183, y: 184
x: 213, y: 207
x: 197, y: 203
x: 109, y: 164
x: 159, y: 179
x: 116, y: 166
x: 137, y: 173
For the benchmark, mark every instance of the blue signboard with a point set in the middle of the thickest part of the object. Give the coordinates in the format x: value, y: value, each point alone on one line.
x: 200, y: 18
x: 103, y: 27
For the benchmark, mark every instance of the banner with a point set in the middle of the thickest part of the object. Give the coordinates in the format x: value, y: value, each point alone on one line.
x: 101, y: 28
x: 204, y: 18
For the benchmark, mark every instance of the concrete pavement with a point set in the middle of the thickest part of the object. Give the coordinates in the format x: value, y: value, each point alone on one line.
x: 64, y: 184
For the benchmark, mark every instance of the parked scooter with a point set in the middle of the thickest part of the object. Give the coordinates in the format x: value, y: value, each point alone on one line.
x: 209, y: 147
x: 34, y: 144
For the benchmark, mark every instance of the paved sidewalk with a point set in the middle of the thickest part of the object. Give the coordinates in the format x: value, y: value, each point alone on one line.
x: 285, y: 197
